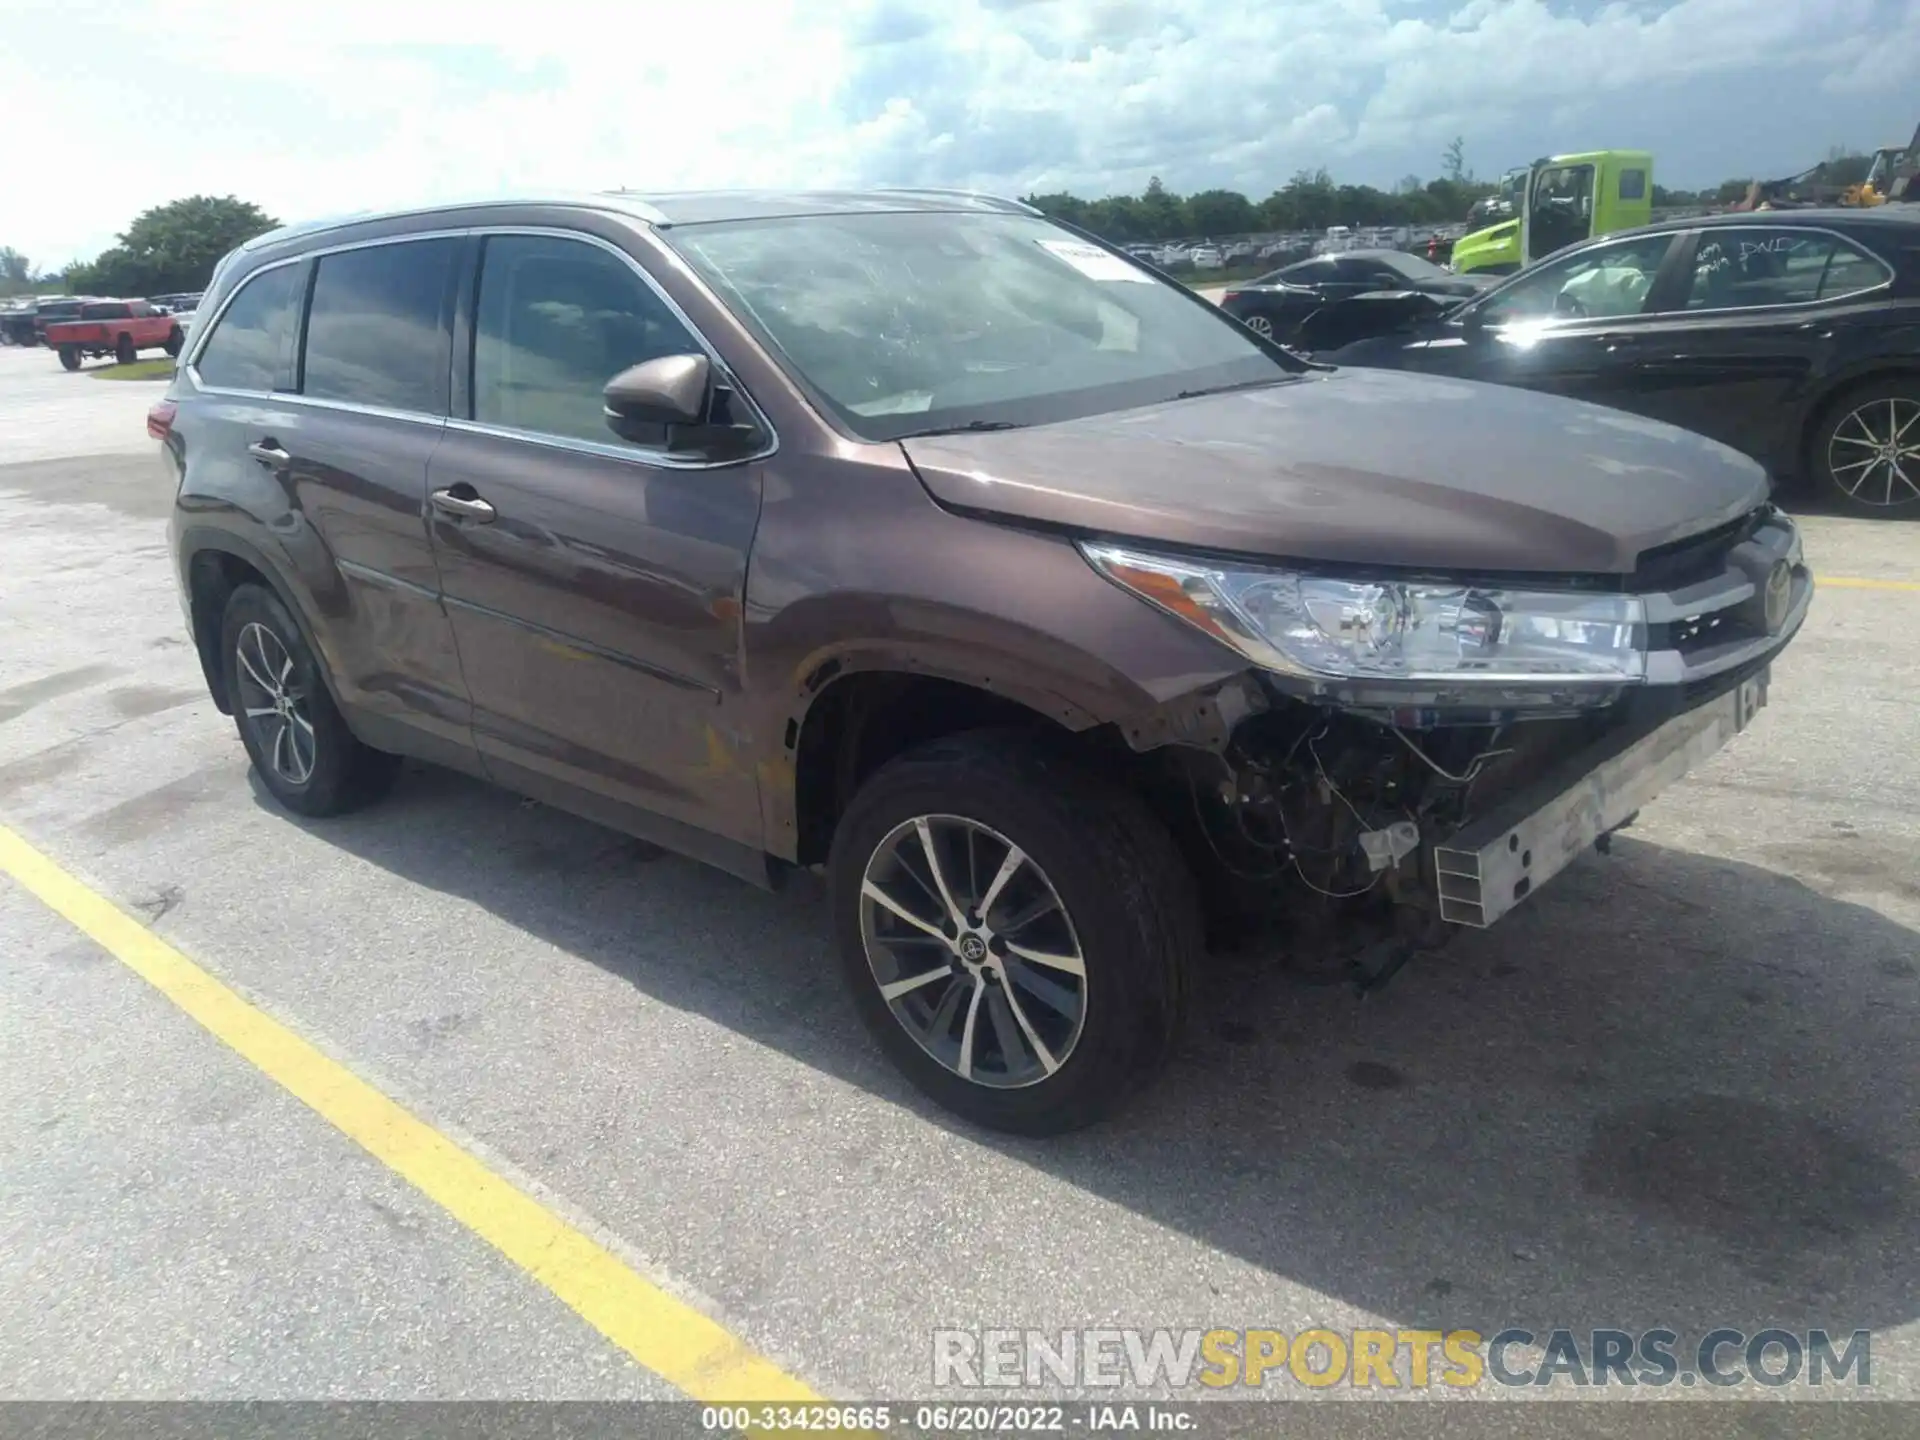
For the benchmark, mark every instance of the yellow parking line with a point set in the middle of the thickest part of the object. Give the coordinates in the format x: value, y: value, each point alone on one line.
x: 667, y: 1336
x: 1844, y: 582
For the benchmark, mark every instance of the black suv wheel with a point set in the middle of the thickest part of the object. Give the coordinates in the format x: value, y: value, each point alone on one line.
x: 1015, y: 932
x: 300, y: 746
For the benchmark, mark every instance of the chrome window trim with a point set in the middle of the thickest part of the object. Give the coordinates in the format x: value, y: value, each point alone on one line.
x: 355, y: 407
x: 642, y: 454
x: 204, y: 335
x: 1701, y: 232
x: 639, y: 454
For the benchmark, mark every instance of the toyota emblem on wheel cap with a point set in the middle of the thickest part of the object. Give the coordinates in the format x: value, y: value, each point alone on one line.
x: 973, y: 948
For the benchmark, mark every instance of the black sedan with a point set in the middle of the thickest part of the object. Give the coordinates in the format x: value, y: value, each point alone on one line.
x: 1306, y: 304
x: 1793, y: 335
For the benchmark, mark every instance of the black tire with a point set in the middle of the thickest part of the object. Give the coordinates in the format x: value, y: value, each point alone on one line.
x: 342, y: 774
x: 1840, y: 443
x: 123, y: 350
x: 176, y: 342
x: 1119, y: 878
x: 70, y: 357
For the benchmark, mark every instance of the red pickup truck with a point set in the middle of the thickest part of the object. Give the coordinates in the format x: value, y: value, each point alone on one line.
x: 120, y: 328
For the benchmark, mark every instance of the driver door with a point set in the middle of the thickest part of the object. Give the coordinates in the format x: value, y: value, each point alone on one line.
x: 595, y: 586
x: 1558, y: 211
x: 1566, y: 327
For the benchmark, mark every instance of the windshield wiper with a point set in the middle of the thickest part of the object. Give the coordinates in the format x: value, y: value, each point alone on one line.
x: 1223, y: 389
x: 970, y: 427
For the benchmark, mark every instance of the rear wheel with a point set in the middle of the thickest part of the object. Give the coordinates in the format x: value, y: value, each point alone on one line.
x: 1866, y: 454
x: 299, y: 744
x: 70, y: 356
x: 123, y: 350
x: 1015, y: 931
x: 1260, y: 325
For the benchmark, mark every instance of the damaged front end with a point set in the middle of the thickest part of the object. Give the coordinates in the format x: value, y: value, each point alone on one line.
x: 1411, y: 756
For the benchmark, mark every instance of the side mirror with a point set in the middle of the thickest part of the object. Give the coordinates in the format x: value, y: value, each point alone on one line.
x: 671, y: 390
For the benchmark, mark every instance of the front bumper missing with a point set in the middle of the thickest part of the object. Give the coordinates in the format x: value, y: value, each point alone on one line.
x: 1494, y: 863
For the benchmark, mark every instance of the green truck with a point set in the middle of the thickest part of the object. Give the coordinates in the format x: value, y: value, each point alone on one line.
x: 1553, y: 203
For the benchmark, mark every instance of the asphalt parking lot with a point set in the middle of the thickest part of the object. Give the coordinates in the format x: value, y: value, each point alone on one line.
x: 1678, y: 1087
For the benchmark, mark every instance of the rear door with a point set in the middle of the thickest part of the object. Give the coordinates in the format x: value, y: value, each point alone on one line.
x: 1750, y: 321
x: 595, y: 585
x: 371, y: 377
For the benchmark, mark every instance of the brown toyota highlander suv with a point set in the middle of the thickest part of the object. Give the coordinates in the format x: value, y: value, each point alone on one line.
x: 1066, y: 622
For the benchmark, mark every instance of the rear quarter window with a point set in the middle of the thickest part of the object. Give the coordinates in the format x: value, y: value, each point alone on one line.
x: 248, y: 347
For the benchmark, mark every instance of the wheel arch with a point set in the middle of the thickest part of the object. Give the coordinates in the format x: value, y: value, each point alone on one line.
x: 858, y: 712
x: 215, y: 563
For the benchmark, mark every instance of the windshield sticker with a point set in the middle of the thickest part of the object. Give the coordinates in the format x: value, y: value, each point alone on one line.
x: 1093, y: 262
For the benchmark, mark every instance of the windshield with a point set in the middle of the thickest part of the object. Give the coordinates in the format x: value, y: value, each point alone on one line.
x: 902, y: 324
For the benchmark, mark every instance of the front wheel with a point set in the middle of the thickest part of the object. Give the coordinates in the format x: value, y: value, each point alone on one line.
x: 299, y: 744
x: 176, y: 342
x: 70, y: 357
x: 1014, y: 930
x: 1866, y: 455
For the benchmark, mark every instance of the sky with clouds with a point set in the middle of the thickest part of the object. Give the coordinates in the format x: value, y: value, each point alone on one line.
x: 332, y: 106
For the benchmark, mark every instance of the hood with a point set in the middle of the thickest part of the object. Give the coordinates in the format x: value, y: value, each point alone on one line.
x: 1368, y: 467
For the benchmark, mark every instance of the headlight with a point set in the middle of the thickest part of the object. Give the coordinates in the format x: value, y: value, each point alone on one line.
x: 1459, y: 636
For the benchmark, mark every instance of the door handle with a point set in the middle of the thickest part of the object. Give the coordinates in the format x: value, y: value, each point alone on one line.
x: 468, y: 506
x: 270, y: 455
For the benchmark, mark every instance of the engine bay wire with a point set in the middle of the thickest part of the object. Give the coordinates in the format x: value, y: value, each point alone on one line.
x: 1474, y: 767
x: 1280, y: 814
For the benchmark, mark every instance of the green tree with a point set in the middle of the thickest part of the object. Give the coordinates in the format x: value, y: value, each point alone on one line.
x: 1221, y: 213
x: 16, y: 274
x: 1061, y: 206
x: 1453, y: 161
x: 1313, y: 199
x: 1163, y: 213
x: 171, y: 247
x: 1118, y: 218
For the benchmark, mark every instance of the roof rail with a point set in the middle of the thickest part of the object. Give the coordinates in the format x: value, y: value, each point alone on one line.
x: 1001, y: 201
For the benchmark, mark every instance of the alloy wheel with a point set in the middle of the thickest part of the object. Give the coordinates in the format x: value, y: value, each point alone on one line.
x: 973, y: 951
x: 274, y: 705
x: 1874, y: 455
x: 1260, y: 325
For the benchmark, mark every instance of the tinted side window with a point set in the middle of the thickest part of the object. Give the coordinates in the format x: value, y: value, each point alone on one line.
x: 558, y: 319
x: 1851, y: 271
x: 247, y: 348
x: 1758, y: 267
x: 374, y: 332
x: 1603, y: 282
x: 1633, y: 184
